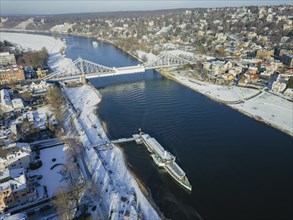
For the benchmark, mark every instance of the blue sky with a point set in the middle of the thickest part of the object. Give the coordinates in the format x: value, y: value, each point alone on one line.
x: 75, y: 6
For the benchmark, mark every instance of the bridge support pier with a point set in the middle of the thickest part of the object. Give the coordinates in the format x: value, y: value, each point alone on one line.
x: 83, y: 80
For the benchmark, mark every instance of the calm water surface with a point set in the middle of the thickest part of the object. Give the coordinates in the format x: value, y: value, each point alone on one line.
x: 239, y: 168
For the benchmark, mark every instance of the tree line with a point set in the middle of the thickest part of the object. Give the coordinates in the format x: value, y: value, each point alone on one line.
x: 34, y: 59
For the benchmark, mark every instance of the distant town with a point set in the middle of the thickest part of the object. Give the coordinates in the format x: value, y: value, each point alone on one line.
x: 235, y: 49
x: 48, y: 130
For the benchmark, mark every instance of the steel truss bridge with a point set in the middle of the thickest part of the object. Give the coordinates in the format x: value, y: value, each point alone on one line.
x: 84, y: 69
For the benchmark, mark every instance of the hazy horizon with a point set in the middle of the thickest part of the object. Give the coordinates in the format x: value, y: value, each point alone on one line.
x: 53, y: 7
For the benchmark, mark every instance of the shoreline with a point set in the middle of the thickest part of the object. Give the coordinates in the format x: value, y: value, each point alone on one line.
x: 89, y: 115
x: 141, y: 185
x: 143, y: 188
x: 231, y: 105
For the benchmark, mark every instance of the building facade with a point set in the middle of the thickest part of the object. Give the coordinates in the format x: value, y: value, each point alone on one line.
x: 5, y: 101
x: 11, y: 74
x: 7, y: 59
x: 16, y: 189
x: 15, y: 156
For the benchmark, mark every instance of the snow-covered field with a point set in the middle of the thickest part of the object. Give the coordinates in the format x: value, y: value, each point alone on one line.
x: 37, y: 42
x: 264, y: 106
x: 61, y: 28
x: 52, y: 179
x: 271, y: 109
x: 119, y: 190
x: 218, y: 92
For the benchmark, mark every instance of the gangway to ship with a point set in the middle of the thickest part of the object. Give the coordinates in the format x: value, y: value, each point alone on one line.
x: 123, y: 140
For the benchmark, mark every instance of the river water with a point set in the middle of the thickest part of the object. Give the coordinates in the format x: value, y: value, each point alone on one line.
x: 239, y: 168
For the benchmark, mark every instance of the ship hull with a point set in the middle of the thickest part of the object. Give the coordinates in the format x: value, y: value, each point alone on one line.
x: 185, y: 186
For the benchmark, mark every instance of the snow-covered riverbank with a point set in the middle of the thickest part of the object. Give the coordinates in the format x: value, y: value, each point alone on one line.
x: 37, y: 42
x: 260, y: 105
x: 119, y: 190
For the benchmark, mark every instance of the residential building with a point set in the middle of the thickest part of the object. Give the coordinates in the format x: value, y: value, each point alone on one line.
x: 5, y: 101
x: 15, y: 189
x: 289, y: 92
x: 11, y: 74
x: 279, y: 85
x: 287, y: 59
x: 7, y: 59
x: 16, y: 155
x: 18, y: 216
x: 17, y: 104
x: 264, y: 53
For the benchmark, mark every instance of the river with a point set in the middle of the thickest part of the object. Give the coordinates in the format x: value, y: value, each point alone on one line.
x: 239, y: 168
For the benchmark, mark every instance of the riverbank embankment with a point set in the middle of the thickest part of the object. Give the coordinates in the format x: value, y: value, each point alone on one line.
x: 106, y: 164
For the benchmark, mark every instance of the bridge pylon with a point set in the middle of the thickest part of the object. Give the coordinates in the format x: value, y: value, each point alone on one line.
x: 82, y: 78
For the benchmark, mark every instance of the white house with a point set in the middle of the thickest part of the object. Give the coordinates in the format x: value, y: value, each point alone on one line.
x: 16, y: 155
x: 17, y: 104
x: 5, y: 104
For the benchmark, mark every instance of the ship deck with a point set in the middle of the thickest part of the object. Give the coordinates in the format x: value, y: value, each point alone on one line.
x: 177, y: 170
x: 156, y: 147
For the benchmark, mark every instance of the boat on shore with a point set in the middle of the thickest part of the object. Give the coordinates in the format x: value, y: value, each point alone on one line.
x: 95, y: 44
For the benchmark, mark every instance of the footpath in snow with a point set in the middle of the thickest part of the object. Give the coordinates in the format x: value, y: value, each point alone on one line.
x: 37, y: 42
x: 260, y: 105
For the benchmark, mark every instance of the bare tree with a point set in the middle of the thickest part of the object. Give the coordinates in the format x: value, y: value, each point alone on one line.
x: 63, y: 204
x: 25, y: 126
x: 75, y: 182
x: 144, y: 58
x: 26, y: 96
x: 56, y: 100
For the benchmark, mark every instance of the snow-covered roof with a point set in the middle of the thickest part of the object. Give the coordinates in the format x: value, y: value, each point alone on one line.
x: 17, y: 181
x: 15, y: 147
x: 17, y: 103
x: 289, y: 92
x: 5, y: 98
x: 4, y: 54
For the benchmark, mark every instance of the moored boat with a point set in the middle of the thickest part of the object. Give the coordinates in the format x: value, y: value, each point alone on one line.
x: 165, y: 159
x: 95, y: 44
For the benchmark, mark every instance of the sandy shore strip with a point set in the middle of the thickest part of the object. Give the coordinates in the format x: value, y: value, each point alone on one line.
x: 262, y: 106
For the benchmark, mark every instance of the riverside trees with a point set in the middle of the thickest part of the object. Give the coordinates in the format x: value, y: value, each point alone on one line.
x: 56, y: 101
x: 35, y: 59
